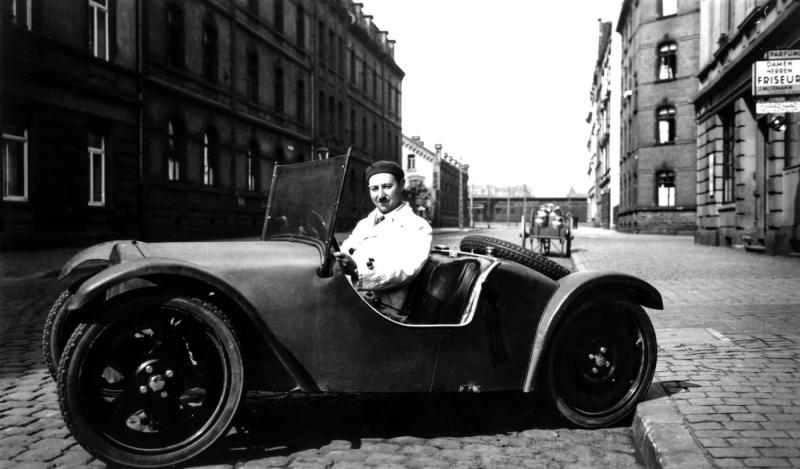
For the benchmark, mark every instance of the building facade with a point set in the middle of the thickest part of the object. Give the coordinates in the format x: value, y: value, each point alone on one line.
x: 603, y: 143
x: 442, y: 181
x: 164, y: 120
x: 495, y: 204
x: 659, y: 46
x: 748, y: 163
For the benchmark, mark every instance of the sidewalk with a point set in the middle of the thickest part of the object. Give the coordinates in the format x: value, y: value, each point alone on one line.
x: 727, y: 386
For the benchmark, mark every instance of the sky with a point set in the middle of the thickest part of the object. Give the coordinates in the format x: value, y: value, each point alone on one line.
x: 503, y: 85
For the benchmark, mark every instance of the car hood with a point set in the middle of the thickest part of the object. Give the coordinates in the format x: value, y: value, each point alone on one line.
x: 214, y: 256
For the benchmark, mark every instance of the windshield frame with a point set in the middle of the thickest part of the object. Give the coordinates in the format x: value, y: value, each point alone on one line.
x: 341, y: 163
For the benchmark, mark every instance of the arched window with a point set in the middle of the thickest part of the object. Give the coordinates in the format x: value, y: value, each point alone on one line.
x: 210, y: 53
x: 666, y: 125
x: 209, y: 157
x: 175, y: 35
x: 665, y: 188
x: 667, y: 61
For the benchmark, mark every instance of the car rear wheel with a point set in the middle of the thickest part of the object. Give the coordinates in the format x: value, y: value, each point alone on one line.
x: 601, y: 362
x: 510, y: 251
x: 153, y: 382
x: 54, y: 334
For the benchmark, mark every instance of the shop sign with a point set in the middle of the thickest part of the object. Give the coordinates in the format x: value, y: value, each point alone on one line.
x: 777, y: 107
x: 782, y: 54
x: 776, y: 77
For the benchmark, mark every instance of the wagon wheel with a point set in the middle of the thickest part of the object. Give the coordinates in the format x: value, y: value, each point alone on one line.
x: 55, y: 333
x: 152, y: 383
x: 568, y: 249
x: 510, y: 251
x: 601, y: 362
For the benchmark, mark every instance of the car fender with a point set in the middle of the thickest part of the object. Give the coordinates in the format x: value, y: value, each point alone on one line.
x: 114, y: 275
x: 574, y: 288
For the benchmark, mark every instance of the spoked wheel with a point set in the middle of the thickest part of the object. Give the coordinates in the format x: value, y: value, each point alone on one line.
x: 601, y: 363
x: 153, y: 383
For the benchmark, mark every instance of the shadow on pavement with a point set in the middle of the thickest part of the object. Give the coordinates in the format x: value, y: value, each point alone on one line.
x: 284, y: 427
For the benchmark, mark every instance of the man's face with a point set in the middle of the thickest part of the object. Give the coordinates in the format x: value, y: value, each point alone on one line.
x: 385, y: 191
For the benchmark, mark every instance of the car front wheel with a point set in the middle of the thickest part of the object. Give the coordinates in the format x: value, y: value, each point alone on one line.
x: 601, y: 362
x: 153, y: 382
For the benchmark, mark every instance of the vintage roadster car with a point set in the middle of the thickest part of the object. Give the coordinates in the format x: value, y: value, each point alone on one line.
x: 154, y: 346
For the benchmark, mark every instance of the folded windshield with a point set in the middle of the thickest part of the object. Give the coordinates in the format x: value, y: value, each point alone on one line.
x: 304, y: 199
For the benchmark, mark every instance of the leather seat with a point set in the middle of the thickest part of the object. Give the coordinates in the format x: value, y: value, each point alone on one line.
x: 440, y: 292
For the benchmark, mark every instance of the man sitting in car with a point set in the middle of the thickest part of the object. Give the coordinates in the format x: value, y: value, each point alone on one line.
x: 390, y: 245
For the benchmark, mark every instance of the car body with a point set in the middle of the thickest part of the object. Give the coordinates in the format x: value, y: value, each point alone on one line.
x: 154, y: 345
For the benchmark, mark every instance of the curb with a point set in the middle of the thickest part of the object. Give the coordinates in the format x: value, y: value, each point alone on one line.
x: 660, y: 436
x: 662, y: 439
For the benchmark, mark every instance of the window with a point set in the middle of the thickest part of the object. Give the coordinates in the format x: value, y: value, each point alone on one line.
x: 97, y: 169
x: 665, y: 185
x: 175, y: 36
x: 728, y: 121
x: 209, y: 158
x: 321, y: 51
x: 364, y: 133
x: 352, y: 127
x: 374, y: 84
x: 321, y: 115
x: 279, y: 16
x: 19, y: 12
x: 15, y: 164
x: 210, y: 54
x: 339, y: 119
x: 300, y: 27
x: 279, y: 91
x: 666, y: 125
x: 352, y: 66
x: 667, y: 63
x: 331, y: 115
x: 252, y: 167
x: 412, y: 165
x: 174, y: 147
x: 669, y: 7
x: 792, y: 140
x: 252, y: 76
x: 98, y: 34
x: 252, y: 6
x: 300, y: 104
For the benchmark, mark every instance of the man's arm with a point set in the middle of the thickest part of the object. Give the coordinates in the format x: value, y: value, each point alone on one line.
x: 394, y: 260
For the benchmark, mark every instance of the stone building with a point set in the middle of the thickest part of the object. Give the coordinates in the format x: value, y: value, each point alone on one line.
x: 164, y: 120
x: 497, y: 204
x: 603, y: 120
x: 748, y: 162
x: 659, y: 46
x: 443, y: 178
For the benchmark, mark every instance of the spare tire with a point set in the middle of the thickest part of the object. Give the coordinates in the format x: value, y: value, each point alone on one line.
x: 510, y: 251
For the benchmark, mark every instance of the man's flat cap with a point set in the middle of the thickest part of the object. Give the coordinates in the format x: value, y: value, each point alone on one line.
x: 384, y: 166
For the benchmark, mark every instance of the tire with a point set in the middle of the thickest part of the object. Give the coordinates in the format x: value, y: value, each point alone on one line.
x: 512, y: 252
x: 601, y: 362
x: 54, y: 334
x: 155, y: 381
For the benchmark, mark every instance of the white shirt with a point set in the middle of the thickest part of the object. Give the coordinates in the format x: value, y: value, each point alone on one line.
x: 390, y: 253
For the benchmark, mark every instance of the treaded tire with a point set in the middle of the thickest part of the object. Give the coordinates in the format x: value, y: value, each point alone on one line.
x: 153, y: 382
x: 510, y: 251
x: 53, y: 335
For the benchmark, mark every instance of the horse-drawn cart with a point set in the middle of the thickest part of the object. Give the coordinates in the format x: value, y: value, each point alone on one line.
x: 549, y: 231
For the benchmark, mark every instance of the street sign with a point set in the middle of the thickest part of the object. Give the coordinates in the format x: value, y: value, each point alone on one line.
x: 777, y: 107
x: 776, y: 77
x: 781, y: 54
